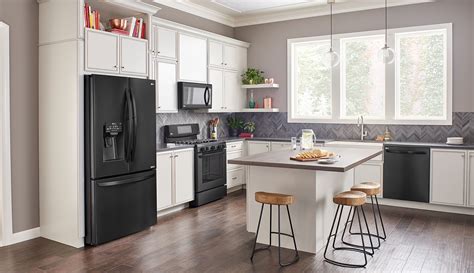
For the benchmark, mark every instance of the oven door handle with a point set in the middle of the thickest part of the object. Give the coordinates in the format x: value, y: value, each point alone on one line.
x: 210, y: 154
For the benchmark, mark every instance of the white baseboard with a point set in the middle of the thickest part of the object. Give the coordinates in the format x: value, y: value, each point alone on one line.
x: 24, y: 236
x: 171, y: 210
x: 425, y: 206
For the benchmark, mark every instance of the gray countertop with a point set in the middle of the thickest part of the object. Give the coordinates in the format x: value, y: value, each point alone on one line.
x: 431, y: 145
x: 349, y: 159
x: 232, y: 139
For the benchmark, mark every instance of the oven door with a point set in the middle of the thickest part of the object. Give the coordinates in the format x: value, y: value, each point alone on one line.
x: 194, y: 95
x: 211, y: 169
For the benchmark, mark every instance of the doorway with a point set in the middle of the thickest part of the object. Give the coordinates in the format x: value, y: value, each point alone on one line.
x: 5, y: 163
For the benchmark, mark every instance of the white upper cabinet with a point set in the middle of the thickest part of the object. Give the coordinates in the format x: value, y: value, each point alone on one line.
x: 216, y: 78
x: 226, y: 56
x: 166, y: 87
x: 233, y: 93
x: 192, y: 58
x: 101, y: 52
x: 448, y: 177
x: 133, y: 56
x: 216, y: 54
x: 110, y: 53
x: 164, y: 43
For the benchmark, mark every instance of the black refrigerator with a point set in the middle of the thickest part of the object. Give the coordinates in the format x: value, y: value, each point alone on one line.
x: 120, y: 157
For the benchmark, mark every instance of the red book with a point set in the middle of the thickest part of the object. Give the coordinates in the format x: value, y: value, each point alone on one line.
x: 143, y: 31
x: 86, y: 15
x: 96, y: 13
x: 119, y: 31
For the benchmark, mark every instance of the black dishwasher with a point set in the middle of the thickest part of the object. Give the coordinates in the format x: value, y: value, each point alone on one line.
x: 406, y: 173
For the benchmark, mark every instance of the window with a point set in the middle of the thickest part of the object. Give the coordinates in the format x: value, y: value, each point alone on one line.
x: 312, y: 80
x: 421, y: 75
x: 415, y: 89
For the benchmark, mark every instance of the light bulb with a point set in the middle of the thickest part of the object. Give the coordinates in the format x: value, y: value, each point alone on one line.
x: 386, y: 55
x: 333, y: 58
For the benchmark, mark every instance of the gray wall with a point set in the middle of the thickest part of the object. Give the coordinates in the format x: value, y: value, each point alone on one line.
x: 268, y: 41
x: 22, y: 17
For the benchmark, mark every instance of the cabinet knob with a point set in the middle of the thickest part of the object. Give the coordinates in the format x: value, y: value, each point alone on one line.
x: 234, y: 178
x: 176, y: 156
x: 115, y: 66
x: 123, y: 67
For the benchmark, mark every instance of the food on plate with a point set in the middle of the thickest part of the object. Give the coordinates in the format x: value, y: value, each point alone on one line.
x: 314, y: 154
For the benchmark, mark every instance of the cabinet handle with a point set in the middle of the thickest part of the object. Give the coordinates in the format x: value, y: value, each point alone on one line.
x: 171, y: 156
x: 159, y: 52
x: 123, y: 67
x: 234, y: 178
x: 115, y: 66
x: 176, y: 156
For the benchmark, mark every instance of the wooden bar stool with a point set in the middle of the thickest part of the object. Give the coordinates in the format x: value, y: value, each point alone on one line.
x: 370, y: 189
x: 354, y: 200
x: 278, y: 200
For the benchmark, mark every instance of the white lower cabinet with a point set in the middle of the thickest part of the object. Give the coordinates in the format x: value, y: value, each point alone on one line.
x: 175, y: 178
x: 235, y: 173
x: 280, y: 146
x: 448, y: 177
x: 258, y: 147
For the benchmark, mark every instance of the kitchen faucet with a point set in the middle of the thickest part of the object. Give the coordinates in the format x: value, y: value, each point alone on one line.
x: 360, y: 123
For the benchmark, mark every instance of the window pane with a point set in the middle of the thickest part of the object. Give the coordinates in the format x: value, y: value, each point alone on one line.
x: 362, y: 78
x: 421, y: 89
x: 311, y: 92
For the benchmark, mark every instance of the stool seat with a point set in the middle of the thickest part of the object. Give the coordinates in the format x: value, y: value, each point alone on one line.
x: 369, y: 188
x: 350, y: 198
x: 274, y: 198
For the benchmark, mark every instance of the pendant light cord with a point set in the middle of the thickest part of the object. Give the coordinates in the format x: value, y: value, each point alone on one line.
x: 331, y: 22
x: 386, y: 24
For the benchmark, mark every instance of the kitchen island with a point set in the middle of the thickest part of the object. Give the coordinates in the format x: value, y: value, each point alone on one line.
x: 313, y: 185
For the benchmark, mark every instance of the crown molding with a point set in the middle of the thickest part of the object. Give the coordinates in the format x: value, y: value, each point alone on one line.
x: 137, y: 5
x: 278, y: 14
x: 194, y: 9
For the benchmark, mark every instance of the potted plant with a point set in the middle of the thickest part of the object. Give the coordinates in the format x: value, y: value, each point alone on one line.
x: 253, y: 76
x: 235, y: 125
x: 249, y: 128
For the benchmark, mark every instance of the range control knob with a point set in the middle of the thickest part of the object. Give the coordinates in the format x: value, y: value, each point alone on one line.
x: 201, y: 149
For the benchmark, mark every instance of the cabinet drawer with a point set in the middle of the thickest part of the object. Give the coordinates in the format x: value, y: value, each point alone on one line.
x: 235, y: 178
x: 234, y: 155
x: 235, y: 146
x: 281, y: 146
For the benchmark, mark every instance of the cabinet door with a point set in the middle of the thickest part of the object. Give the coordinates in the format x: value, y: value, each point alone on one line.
x: 166, y: 87
x: 216, y: 78
x: 235, y: 178
x: 184, y: 176
x: 258, y: 147
x: 164, y: 180
x: 166, y: 43
x: 369, y: 173
x: 448, y: 177
x: 231, y: 57
x: 234, y: 155
x: 192, y: 58
x: 281, y: 146
x: 233, y: 93
x: 471, y: 179
x: 133, y: 56
x: 216, y: 54
x: 101, y: 51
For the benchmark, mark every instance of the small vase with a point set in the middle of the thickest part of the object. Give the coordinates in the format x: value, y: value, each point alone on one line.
x: 233, y: 132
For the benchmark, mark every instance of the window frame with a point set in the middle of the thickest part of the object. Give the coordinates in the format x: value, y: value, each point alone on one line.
x: 390, y: 80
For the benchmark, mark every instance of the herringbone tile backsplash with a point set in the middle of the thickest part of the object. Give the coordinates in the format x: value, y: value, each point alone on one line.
x: 276, y: 125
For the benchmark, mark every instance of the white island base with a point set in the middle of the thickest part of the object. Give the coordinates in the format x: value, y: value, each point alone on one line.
x: 312, y: 212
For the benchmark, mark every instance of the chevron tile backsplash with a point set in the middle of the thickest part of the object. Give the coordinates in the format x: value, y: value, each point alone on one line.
x: 276, y: 125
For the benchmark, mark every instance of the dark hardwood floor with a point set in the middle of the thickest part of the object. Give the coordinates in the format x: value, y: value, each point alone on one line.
x: 213, y: 238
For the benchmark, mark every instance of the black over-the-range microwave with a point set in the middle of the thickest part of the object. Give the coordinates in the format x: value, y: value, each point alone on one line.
x: 194, y: 95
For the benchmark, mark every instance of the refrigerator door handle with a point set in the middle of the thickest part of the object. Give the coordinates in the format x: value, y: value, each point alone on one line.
x: 134, y: 125
x: 125, y: 181
x: 128, y: 121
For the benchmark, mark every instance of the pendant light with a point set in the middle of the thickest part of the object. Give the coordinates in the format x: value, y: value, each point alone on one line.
x: 333, y: 57
x: 386, y: 55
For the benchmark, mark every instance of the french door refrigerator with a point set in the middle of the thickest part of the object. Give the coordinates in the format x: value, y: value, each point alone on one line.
x: 120, y: 149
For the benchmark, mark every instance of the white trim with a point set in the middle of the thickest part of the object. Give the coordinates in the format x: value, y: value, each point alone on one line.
x: 197, y: 32
x: 5, y: 159
x: 425, y: 206
x: 136, y: 5
x: 390, y: 75
x: 279, y: 13
x: 25, y: 235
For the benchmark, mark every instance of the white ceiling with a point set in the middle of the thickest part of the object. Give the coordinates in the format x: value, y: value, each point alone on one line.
x: 236, y: 13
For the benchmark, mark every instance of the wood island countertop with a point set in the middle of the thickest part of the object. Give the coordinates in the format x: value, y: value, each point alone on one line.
x: 350, y: 158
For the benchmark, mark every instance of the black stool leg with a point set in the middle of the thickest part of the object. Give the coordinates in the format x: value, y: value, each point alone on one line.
x: 297, y: 257
x: 256, y: 236
x: 381, y: 220
x: 334, y: 235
